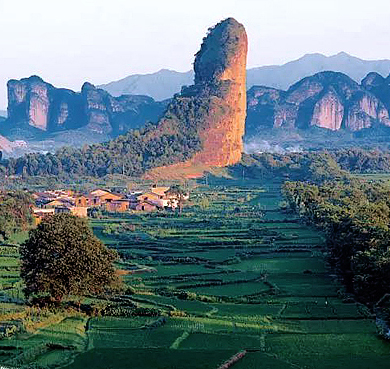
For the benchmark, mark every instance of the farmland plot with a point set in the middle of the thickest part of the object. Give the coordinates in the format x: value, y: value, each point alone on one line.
x: 238, y: 275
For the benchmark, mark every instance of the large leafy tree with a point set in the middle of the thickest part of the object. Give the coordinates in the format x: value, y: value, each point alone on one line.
x: 63, y: 257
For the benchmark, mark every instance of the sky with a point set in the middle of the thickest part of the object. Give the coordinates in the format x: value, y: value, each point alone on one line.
x: 73, y: 41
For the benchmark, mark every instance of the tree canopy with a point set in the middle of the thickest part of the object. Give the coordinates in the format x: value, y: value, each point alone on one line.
x: 15, y: 213
x: 63, y: 257
x: 355, y: 216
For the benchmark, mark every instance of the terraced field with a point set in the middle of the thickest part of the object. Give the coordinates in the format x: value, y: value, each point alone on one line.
x: 231, y: 280
x: 237, y: 276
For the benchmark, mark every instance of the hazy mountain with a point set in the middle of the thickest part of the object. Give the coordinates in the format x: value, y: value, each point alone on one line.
x: 160, y: 85
x: 3, y: 113
x: 283, y: 76
x: 165, y: 83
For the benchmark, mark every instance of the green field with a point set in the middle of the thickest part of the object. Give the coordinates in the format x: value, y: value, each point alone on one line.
x: 238, y: 275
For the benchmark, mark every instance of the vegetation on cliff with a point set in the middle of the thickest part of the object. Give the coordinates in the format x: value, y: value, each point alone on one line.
x: 217, y: 51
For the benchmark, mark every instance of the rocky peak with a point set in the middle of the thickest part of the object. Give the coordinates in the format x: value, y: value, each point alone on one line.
x: 221, y: 65
x: 87, y: 86
x: 263, y: 95
x: 29, y: 99
x: 219, y: 56
x: 36, y: 106
x: 213, y: 110
x: 373, y: 79
x: 311, y: 86
x: 327, y: 100
x: 97, y: 108
x: 378, y: 86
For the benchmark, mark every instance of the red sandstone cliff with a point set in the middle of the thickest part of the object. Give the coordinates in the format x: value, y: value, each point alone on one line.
x: 214, y: 108
x: 222, y: 61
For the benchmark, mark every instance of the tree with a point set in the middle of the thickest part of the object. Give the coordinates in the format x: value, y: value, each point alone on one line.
x: 178, y: 193
x: 204, y: 203
x: 63, y: 257
x: 15, y: 213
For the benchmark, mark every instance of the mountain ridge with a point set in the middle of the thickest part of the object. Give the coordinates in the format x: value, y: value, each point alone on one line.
x: 325, y: 100
x: 166, y: 82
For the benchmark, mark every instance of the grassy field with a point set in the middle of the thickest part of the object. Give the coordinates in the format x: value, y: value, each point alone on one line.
x: 238, y: 274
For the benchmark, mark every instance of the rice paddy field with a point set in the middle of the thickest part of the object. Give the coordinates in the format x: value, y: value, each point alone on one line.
x: 236, y: 275
x: 235, y: 281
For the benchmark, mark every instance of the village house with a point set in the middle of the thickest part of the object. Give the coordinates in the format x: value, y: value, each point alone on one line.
x: 160, y: 197
x: 81, y: 200
x: 145, y: 205
x: 100, y: 197
x: 56, y: 202
x: 39, y: 214
x: 118, y: 206
x: 62, y: 201
x: 78, y: 211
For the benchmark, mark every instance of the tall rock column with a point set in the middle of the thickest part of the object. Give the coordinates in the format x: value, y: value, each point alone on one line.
x: 220, y: 72
x: 206, y: 122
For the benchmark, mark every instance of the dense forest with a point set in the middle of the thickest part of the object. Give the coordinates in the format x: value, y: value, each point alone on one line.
x: 314, y: 166
x: 130, y: 154
x: 355, y: 216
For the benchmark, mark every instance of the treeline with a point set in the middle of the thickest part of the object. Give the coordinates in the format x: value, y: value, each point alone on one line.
x: 15, y: 213
x: 361, y: 160
x: 313, y: 166
x: 355, y: 216
x: 176, y: 140
x: 316, y: 166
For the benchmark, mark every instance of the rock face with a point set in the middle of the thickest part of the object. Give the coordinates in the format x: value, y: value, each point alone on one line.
x: 379, y: 86
x: 213, y: 110
x: 5, y: 145
x: 36, y: 106
x: 29, y: 101
x: 328, y: 100
x: 221, y: 62
x: 328, y: 111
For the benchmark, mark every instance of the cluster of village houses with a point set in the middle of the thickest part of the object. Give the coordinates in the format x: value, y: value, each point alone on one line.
x: 63, y: 201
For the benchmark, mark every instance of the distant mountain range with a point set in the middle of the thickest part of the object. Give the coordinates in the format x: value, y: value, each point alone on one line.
x: 165, y: 83
x: 3, y: 113
x: 330, y: 103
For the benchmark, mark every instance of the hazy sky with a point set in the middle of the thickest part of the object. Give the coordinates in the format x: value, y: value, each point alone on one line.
x: 72, y: 41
